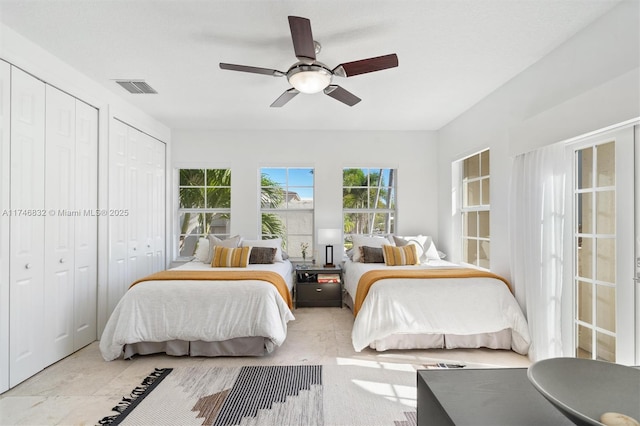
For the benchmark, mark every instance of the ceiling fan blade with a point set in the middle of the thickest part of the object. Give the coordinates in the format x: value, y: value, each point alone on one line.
x: 302, y: 39
x: 255, y: 70
x: 344, y: 96
x: 364, y: 66
x: 284, y: 98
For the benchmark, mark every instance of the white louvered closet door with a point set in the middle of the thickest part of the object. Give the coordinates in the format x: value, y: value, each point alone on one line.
x: 59, y: 234
x: 26, y: 240
x: 158, y: 210
x: 5, y: 166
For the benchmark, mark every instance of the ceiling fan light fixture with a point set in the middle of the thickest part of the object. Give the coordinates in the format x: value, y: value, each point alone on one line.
x: 309, y: 78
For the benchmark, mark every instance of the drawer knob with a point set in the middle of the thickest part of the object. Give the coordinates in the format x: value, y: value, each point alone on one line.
x: 318, y: 289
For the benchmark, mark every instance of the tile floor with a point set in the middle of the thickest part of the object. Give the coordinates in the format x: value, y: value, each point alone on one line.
x: 82, y: 388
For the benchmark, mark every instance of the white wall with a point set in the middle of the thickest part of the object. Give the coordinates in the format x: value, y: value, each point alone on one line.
x: 589, y: 82
x: 414, y: 154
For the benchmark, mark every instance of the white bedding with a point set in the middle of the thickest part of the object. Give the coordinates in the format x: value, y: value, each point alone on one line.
x: 193, y: 310
x: 437, y: 306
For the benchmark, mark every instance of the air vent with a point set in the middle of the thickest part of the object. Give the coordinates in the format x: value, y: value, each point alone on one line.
x: 136, y: 86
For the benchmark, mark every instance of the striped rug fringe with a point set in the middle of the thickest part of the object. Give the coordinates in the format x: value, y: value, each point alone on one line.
x: 127, y: 404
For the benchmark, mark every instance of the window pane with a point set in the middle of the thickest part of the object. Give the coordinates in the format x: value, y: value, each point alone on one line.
x: 191, y: 198
x: 485, y: 191
x: 606, y: 209
x: 585, y: 213
x: 192, y: 223
x: 218, y: 224
x: 354, y: 198
x: 301, y: 177
x: 354, y: 177
x: 191, y: 177
x: 484, y: 254
x: 585, y: 257
x: 472, y: 224
x: 273, y: 176
x: 273, y: 225
x: 606, y: 260
x: 606, y: 347
x: 584, y: 302
x: 484, y: 226
x: 470, y: 252
x: 300, y: 198
x: 218, y: 198
x: 272, y: 198
x: 472, y: 167
x: 484, y: 163
x: 473, y: 193
x: 585, y: 345
x: 606, y: 307
x: 606, y: 175
x: 584, y: 167
x: 218, y: 177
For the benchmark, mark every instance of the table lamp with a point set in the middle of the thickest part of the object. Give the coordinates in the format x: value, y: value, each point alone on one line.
x: 328, y: 237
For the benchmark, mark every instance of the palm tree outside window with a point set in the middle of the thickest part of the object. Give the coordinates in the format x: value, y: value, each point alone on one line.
x: 287, y: 208
x: 205, y: 206
x: 368, y: 202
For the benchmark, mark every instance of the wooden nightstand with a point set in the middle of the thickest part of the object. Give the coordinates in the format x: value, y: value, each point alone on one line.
x: 311, y: 290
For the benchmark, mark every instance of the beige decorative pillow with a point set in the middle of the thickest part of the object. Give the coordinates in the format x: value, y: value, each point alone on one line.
x: 400, y: 256
x: 225, y: 257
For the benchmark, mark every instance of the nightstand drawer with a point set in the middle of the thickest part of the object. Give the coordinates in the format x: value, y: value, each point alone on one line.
x: 328, y: 294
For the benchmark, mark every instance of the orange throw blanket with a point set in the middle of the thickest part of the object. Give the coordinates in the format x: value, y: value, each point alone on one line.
x: 269, y: 276
x: 371, y: 277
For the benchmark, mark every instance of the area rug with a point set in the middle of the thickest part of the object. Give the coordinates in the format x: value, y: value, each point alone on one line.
x: 300, y: 395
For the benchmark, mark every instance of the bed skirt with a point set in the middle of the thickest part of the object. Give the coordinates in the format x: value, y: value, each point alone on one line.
x: 498, y: 340
x: 240, y: 346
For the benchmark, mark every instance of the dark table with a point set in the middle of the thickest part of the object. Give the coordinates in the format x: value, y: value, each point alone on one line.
x: 475, y: 397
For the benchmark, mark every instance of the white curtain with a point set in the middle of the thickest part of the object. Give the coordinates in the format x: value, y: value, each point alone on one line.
x: 537, y: 221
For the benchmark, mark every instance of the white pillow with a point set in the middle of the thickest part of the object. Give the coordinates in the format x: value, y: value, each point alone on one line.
x: 426, y: 249
x: 202, y: 249
x: 369, y: 241
x: 231, y: 242
x: 274, y: 243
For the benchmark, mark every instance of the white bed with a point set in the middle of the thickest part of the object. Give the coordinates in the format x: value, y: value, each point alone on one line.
x: 411, y: 313
x: 200, y: 317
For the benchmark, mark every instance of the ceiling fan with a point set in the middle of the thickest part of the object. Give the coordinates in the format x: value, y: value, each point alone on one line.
x: 311, y: 76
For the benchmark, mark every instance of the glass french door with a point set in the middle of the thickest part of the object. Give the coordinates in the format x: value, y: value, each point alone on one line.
x: 603, y: 248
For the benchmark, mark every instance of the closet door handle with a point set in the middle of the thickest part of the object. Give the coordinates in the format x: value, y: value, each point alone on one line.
x: 62, y: 260
x: 27, y: 266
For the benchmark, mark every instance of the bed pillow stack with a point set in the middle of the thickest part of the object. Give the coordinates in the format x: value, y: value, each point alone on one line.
x: 374, y: 241
x: 425, y: 248
x: 231, y: 242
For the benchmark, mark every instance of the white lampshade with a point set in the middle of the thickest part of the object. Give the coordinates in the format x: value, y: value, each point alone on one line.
x: 329, y: 236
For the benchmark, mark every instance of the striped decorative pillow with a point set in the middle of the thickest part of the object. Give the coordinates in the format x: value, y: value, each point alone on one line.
x: 231, y: 257
x: 399, y: 256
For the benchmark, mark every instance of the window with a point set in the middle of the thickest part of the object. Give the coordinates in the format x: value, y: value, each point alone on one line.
x: 286, y: 206
x: 205, y: 206
x: 368, y: 202
x: 475, y: 210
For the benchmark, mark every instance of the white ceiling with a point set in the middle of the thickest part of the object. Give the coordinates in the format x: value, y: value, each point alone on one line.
x: 451, y: 54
